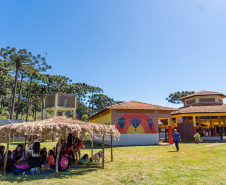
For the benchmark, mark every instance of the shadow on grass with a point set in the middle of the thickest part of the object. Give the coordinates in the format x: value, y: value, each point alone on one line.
x: 82, y: 170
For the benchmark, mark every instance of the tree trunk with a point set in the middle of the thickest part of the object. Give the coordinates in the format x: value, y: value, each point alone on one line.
x: 14, y: 93
x: 42, y: 107
x: 18, y: 104
x: 28, y: 103
x: 92, y: 105
x: 10, y: 104
x: 0, y: 102
x: 35, y: 111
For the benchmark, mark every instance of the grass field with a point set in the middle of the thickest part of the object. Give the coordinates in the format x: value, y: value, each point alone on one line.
x: 203, y: 163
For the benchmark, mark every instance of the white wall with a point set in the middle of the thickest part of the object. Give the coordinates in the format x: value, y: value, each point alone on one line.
x: 131, y: 139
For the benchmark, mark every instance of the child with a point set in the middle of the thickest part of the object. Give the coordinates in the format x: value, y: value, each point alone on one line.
x: 2, y: 156
x: 35, y: 163
x: 2, y: 150
x: 10, y: 167
x: 50, y: 158
x: 42, y: 158
x: 71, y: 159
x: 84, y: 159
x: 35, y: 138
x: 60, y: 166
x: 17, y: 154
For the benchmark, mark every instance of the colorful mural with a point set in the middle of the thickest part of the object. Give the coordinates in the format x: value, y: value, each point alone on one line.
x: 135, y: 123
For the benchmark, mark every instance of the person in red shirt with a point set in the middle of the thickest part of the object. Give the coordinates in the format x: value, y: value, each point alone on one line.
x: 50, y: 158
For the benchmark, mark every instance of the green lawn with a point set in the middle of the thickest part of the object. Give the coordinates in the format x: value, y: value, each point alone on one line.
x: 203, y: 163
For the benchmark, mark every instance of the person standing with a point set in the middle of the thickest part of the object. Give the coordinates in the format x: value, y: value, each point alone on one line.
x: 176, y: 138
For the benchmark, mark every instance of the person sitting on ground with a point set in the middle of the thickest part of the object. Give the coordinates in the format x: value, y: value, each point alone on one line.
x: 35, y: 163
x: 62, y: 164
x: 50, y: 160
x: 45, y: 153
x: 42, y: 157
x: 2, y: 156
x: 71, y: 160
x: 2, y: 152
x: 84, y: 159
x: 10, y: 167
x: 17, y: 154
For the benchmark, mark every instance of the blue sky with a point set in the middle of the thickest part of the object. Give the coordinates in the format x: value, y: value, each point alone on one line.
x: 134, y: 49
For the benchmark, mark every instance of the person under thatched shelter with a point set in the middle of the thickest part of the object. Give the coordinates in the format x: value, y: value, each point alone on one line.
x: 61, y: 125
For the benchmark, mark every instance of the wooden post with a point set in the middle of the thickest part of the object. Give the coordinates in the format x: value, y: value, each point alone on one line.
x: 224, y: 127
x: 103, y: 152
x: 58, y: 152
x: 111, y: 148
x: 220, y: 127
x: 19, y: 137
x: 200, y: 124
x: 211, y: 126
x: 194, y: 124
x: 6, y: 152
x: 25, y: 141
x: 92, y: 146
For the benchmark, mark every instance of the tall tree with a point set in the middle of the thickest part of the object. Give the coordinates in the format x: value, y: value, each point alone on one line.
x: 5, y: 77
x: 101, y: 101
x: 175, y: 97
x: 19, y: 59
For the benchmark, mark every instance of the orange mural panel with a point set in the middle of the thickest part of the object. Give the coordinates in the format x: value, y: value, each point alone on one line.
x: 135, y: 123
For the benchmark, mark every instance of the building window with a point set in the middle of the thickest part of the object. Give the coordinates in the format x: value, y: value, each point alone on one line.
x: 202, y: 100
x: 190, y: 102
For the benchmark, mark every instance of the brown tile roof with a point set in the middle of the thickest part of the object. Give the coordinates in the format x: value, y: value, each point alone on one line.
x: 134, y: 105
x: 203, y: 93
x: 139, y: 105
x: 201, y: 109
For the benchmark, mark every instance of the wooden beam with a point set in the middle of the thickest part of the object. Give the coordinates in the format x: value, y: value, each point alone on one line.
x: 103, y: 152
x: 111, y: 148
x: 58, y: 152
x: 92, y: 146
x: 25, y: 141
x: 6, y: 152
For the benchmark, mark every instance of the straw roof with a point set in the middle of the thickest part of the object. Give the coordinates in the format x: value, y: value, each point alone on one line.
x: 58, y: 124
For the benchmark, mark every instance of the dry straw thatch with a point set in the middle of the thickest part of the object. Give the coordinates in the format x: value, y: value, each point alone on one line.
x: 60, y: 125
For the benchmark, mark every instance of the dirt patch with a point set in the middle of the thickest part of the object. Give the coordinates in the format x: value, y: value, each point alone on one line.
x: 183, y: 152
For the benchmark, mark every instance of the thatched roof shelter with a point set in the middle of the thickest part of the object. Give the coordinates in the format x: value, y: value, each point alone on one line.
x: 61, y: 125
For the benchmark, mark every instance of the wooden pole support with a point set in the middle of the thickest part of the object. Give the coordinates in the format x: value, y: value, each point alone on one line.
x: 111, y: 148
x: 58, y: 152
x: 25, y: 141
x: 6, y: 152
x: 103, y: 152
x: 92, y: 146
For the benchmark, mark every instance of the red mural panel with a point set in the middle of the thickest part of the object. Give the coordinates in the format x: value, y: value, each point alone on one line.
x: 135, y: 123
